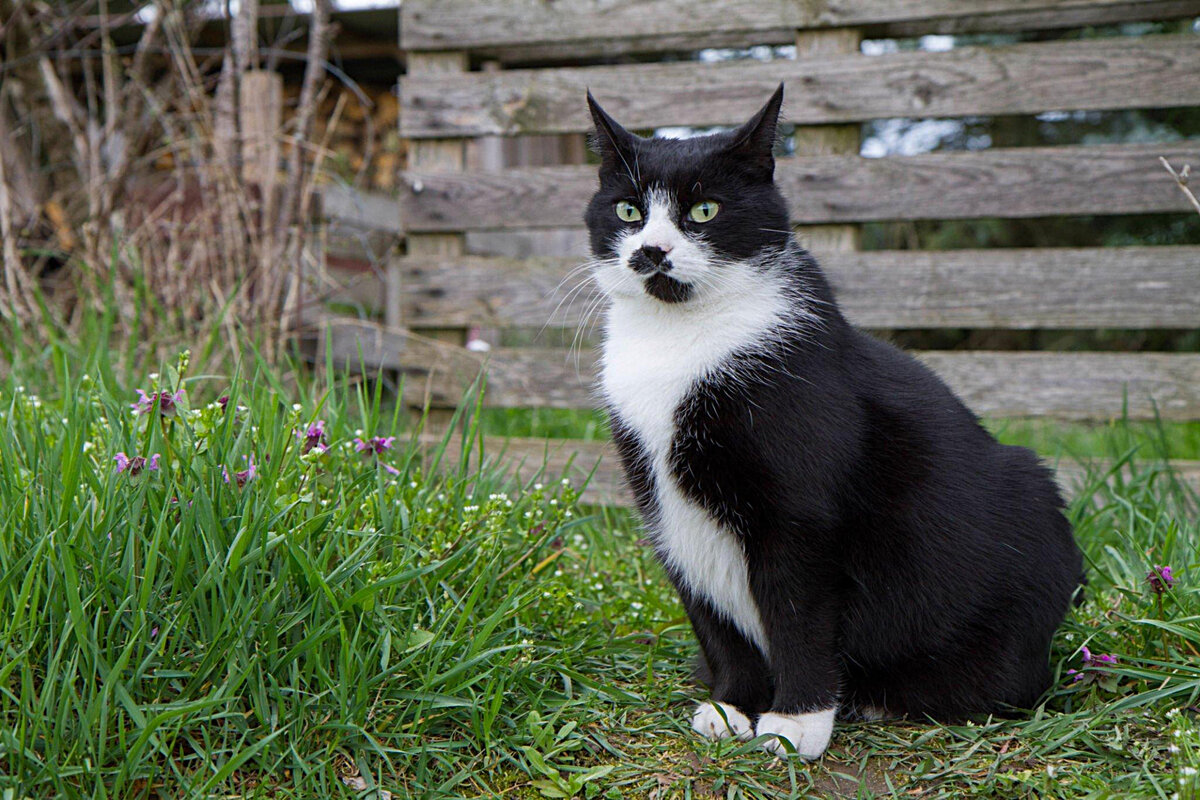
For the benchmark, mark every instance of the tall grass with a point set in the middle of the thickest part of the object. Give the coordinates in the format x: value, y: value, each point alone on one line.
x: 347, y: 624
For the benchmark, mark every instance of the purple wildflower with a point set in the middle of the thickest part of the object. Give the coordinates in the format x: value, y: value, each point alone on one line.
x: 1092, y: 665
x: 135, y: 465
x: 314, y: 437
x: 223, y: 402
x: 154, y: 632
x: 165, y: 401
x: 246, y: 475
x: 1161, y: 578
x: 375, y: 445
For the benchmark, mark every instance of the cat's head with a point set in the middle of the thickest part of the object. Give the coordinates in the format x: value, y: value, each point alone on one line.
x: 681, y: 219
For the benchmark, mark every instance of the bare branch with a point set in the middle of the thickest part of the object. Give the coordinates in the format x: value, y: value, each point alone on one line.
x: 1181, y: 178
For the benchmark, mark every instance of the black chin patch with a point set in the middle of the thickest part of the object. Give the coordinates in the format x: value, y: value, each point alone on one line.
x: 667, y: 289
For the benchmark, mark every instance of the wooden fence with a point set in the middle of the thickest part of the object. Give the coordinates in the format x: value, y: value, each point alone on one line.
x: 477, y: 71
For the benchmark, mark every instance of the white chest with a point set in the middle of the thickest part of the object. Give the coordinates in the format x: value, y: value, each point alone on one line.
x: 652, y: 359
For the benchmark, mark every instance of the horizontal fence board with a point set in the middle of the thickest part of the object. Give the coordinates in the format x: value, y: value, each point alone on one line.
x: 1119, y: 287
x: 370, y: 210
x: 1003, y: 384
x: 592, y: 28
x: 1093, y: 74
x: 597, y: 463
x: 1064, y: 385
x: 1013, y: 182
x: 692, y: 41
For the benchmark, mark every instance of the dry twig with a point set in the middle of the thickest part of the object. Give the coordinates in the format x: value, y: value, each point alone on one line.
x: 1181, y: 178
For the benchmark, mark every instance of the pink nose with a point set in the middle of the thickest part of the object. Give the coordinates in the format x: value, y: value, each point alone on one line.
x: 664, y: 246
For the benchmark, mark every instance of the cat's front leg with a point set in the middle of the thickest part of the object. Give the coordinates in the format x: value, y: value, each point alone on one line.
x: 741, y: 682
x: 800, y: 615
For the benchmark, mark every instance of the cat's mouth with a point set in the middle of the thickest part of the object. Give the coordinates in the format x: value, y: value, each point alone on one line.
x: 663, y: 287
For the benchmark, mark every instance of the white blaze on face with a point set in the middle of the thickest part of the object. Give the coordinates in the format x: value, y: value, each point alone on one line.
x: 689, y: 257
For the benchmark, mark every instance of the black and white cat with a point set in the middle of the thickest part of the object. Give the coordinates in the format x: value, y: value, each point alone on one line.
x: 844, y: 534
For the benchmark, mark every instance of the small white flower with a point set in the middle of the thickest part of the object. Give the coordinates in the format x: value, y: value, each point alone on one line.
x: 537, y: 487
x: 636, y: 606
x: 1070, y: 637
x: 1051, y: 770
x: 358, y: 431
x: 1173, y: 749
x: 558, y: 573
x: 153, y: 376
x: 296, y: 406
x: 1188, y: 771
x: 412, y: 485
x: 566, y: 481
x: 88, y: 447
x: 598, y: 587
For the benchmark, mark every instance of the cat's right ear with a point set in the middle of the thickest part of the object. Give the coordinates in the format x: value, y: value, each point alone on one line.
x: 612, y: 143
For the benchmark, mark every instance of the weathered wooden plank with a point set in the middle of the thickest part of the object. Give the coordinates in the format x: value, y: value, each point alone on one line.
x: 1119, y: 287
x: 687, y: 43
x: 1081, y: 386
x: 1063, y: 385
x: 1016, y: 182
x: 360, y: 209
x: 589, y: 28
x: 578, y: 461
x: 1091, y: 74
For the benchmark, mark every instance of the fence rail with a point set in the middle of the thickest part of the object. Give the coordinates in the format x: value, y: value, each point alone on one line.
x: 587, y: 28
x: 1094, y: 74
x: 1134, y: 287
x: 1014, y: 182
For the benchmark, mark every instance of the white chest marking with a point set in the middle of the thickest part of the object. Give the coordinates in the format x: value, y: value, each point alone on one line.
x: 653, y: 355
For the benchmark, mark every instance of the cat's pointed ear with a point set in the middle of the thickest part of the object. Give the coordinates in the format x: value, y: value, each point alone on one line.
x: 614, y: 144
x: 754, y: 142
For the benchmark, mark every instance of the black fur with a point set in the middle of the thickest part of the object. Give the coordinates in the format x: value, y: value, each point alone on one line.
x: 900, y: 557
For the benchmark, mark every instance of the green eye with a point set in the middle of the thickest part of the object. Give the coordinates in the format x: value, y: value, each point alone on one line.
x: 628, y: 212
x: 704, y: 211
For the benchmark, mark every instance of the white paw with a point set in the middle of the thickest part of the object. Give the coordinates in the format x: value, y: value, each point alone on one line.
x: 808, y: 733
x: 707, y: 721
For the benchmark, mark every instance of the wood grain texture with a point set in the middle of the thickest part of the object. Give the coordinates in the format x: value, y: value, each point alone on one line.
x: 441, y: 156
x: 592, y: 27
x: 1079, y: 386
x: 686, y: 43
x: 1119, y: 287
x: 364, y: 210
x: 1016, y: 182
x: 596, y: 464
x: 1093, y: 74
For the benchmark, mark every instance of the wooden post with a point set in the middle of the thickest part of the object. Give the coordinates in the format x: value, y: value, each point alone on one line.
x: 432, y: 155
x: 261, y: 113
x: 820, y: 140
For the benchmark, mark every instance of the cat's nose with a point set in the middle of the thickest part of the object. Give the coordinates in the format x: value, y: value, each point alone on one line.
x: 656, y: 255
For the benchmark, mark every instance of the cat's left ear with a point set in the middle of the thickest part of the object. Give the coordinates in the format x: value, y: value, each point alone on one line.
x: 754, y: 142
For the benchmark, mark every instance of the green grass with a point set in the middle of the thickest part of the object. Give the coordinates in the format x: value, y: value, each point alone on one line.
x: 443, y: 632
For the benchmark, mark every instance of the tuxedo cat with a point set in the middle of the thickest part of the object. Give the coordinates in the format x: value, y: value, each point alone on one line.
x: 843, y: 533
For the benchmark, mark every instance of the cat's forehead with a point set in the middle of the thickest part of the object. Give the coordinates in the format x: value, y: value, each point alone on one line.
x: 673, y: 166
